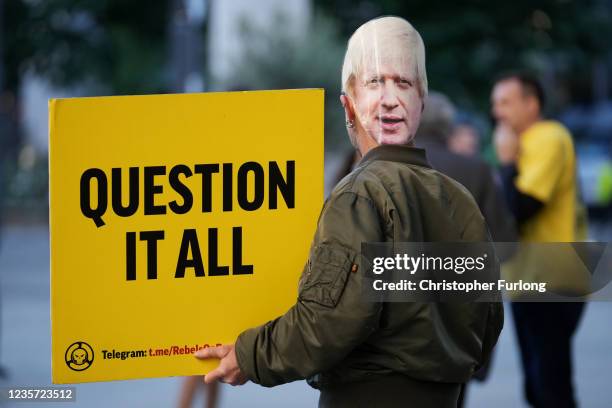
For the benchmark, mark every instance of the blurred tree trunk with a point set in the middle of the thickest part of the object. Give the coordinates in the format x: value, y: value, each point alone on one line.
x: 187, y: 26
x: 9, y: 124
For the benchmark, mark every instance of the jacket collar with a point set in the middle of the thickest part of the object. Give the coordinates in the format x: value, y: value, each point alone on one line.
x: 398, y: 153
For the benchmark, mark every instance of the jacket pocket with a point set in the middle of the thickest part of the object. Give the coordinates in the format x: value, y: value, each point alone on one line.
x: 326, y: 276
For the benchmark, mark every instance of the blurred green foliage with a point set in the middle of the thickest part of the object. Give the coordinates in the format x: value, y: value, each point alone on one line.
x: 116, y: 43
x: 276, y: 57
x: 469, y: 42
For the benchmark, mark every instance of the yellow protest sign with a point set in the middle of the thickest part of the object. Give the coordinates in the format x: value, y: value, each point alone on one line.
x: 176, y: 222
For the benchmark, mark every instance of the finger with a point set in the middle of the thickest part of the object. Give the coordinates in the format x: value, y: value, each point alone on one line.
x: 215, y: 375
x: 232, y: 380
x: 210, y: 352
x: 237, y: 380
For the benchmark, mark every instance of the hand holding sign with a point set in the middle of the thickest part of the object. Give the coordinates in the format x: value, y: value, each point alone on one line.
x: 228, y: 371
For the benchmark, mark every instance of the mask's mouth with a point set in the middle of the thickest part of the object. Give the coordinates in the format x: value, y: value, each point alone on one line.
x: 390, y: 119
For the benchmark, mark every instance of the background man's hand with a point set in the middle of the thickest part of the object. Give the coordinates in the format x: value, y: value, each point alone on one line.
x: 506, y: 144
x: 228, y: 370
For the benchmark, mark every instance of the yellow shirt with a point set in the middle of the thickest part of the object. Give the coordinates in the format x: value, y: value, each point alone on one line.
x: 547, y: 171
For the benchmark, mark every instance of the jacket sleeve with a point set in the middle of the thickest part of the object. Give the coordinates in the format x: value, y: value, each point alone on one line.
x: 330, y: 317
x: 476, y: 231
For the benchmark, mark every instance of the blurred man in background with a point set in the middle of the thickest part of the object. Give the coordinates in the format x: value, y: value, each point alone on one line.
x: 539, y: 178
x: 464, y: 139
x: 437, y: 126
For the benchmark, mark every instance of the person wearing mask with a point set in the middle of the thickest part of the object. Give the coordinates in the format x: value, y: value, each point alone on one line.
x: 362, y: 353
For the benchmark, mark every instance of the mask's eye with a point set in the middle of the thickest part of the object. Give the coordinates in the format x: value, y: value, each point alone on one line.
x: 404, y: 83
x: 373, y: 82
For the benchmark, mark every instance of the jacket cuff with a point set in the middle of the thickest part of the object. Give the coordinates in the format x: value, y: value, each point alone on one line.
x: 245, y: 353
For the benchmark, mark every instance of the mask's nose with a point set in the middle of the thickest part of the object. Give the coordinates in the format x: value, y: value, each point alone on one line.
x: 388, y: 97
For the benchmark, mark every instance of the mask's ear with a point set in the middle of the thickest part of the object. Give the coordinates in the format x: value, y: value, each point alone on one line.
x: 347, y: 104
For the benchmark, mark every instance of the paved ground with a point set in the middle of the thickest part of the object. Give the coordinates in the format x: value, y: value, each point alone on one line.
x: 25, y: 348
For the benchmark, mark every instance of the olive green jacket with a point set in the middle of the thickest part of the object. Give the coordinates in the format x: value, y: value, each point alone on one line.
x: 332, y: 335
